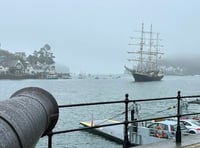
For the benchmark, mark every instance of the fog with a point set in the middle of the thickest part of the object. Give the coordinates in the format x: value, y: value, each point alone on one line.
x: 92, y: 36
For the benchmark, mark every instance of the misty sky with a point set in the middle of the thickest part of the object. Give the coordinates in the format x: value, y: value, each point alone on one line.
x: 92, y: 36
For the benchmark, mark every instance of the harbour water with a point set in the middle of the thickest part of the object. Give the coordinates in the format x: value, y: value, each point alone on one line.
x: 108, y: 88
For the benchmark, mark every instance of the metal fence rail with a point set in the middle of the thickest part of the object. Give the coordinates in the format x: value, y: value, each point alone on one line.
x: 126, y: 121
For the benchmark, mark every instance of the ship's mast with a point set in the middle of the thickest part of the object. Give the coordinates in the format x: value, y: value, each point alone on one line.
x: 148, y: 53
x: 141, y: 49
x: 157, y: 49
x: 150, y: 50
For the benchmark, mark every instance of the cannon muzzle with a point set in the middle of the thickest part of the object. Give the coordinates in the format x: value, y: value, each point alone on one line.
x: 29, y: 114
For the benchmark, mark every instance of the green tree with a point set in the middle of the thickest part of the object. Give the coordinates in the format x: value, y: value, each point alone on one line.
x: 44, y: 56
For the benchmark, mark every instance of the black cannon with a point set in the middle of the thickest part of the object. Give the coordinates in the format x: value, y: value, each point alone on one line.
x: 29, y: 114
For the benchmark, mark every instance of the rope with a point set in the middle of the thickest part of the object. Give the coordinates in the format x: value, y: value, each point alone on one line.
x: 135, y: 106
x: 130, y: 107
x: 115, y: 115
x: 171, y: 107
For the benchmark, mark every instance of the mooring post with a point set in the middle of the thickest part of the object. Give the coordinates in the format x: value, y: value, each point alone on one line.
x: 126, y: 142
x: 50, y: 139
x: 178, y: 130
x: 133, y: 112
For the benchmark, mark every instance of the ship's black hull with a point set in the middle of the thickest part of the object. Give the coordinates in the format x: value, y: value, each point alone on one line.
x: 140, y: 77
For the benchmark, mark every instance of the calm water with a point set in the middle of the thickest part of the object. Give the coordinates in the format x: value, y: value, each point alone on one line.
x: 94, y: 90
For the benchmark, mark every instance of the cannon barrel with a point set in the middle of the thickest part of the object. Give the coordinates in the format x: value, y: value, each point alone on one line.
x: 29, y: 114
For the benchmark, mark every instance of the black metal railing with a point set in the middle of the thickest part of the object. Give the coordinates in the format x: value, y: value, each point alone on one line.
x: 126, y: 122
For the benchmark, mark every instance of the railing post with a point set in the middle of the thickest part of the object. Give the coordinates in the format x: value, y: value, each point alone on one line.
x: 178, y: 130
x: 126, y: 141
x: 50, y: 140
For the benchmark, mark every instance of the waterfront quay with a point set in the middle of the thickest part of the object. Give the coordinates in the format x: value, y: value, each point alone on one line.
x: 191, y: 141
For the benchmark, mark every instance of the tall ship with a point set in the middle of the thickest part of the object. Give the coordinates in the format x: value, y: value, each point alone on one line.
x: 146, y: 57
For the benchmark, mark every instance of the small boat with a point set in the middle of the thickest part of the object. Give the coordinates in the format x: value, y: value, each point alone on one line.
x: 147, y: 57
